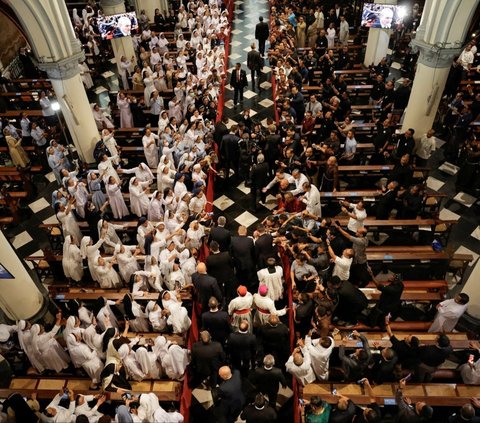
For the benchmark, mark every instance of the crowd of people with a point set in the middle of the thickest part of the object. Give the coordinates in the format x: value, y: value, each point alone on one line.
x: 240, y: 291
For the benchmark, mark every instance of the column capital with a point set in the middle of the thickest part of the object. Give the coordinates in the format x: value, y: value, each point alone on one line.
x: 435, y: 56
x: 63, y: 69
x: 111, y: 3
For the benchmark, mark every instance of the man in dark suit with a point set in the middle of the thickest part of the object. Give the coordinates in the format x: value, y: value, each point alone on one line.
x: 242, y: 250
x: 206, y: 286
x: 274, y: 337
x: 230, y: 151
x: 231, y: 395
x: 263, y: 246
x: 220, y: 130
x: 255, y: 64
x: 242, y: 347
x: 261, y: 34
x: 216, y: 322
x: 207, y: 357
x: 267, y: 378
x: 386, y: 201
x: 259, y: 175
x: 238, y: 81
x: 220, y: 234
x: 220, y: 266
x: 259, y: 411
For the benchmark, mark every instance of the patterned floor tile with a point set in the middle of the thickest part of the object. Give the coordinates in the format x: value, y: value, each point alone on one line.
x: 246, y: 219
x: 249, y: 94
x: 266, y: 102
x: 466, y: 199
x: 249, y: 36
x: 50, y: 177
x: 449, y: 168
x: 21, y: 239
x: 236, y: 32
x: 244, y: 189
x: 434, y: 184
x: 446, y: 214
x: 465, y: 250
x: 476, y: 233
x: 38, y: 205
x: 223, y: 202
x: 234, y: 56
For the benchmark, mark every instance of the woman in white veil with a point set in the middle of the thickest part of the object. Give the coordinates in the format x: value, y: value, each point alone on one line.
x: 91, y: 252
x: 72, y: 262
x: 25, y: 341
x: 148, y: 363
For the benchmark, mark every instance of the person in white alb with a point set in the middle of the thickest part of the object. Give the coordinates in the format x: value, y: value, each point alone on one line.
x: 449, y: 312
x: 320, y: 350
x: 312, y: 199
x: 299, y: 365
x: 342, y: 264
x: 425, y: 147
x: 357, y: 214
x: 240, y: 308
x: 265, y: 306
x: 466, y: 58
x: 272, y: 277
x: 299, y: 179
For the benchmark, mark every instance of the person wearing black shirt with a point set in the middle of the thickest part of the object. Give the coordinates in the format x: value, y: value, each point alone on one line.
x: 371, y: 413
x: 216, y: 322
x: 303, y: 314
x: 432, y: 356
x: 352, y: 301
x: 261, y: 34
x: 382, y: 68
x: 402, y: 172
x: 207, y: 357
x: 406, y: 350
x: 343, y: 61
x: 389, y: 301
x: 412, y: 201
x: 343, y: 411
x: 381, y: 140
x: 378, y: 90
x: 242, y: 347
x: 321, y: 43
x: 383, y: 366
x: 220, y: 266
x: 386, y: 201
x: 466, y: 414
x: 231, y: 394
x: 402, y: 95
x: 259, y: 412
x: 405, y: 143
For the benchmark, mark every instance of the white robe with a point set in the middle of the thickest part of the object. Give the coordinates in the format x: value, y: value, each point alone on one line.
x: 53, y: 356
x: 106, y: 169
x: 303, y: 373
x: 69, y: 225
x: 319, y: 356
x: 139, y: 199
x: 91, y: 253
x: 273, y: 281
x: 151, y: 151
x: 117, y: 203
x: 312, y: 200
x: 87, y: 358
x: 25, y: 340
x: 108, y: 277
x: 268, y: 306
x: 236, y: 308
x: 448, y: 314
x: 127, y: 262
x: 148, y: 363
x: 178, y: 317
x: 175, y: 361
x: 72, y: 263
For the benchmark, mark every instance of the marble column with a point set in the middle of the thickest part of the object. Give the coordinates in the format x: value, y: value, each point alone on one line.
x: 76, y: 109
x: 20, y: 297
x: 433, y: 67
x: 378, y: 40
x: 471, y: 289
x: 121, y: 46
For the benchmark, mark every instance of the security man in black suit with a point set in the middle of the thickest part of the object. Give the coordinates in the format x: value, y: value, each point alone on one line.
x: 242, y: 250
x: 264, y: 247
x: 230, y: 151
x: 255, y: 64
x: 207, y: 357
x: 205, y: 286
x: 216, y: 321
x: 261, y: 34
x: 220, y: 266
x: 238, y: 81
x: 242, y: 348
x: 220, y: 234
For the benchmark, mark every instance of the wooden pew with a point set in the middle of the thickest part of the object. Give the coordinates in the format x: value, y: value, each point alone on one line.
x: 376, y: 170
x: 457, y: 340
x: 11, y: 201
x: 20, y: 176
x: 32, y: 84
x: 451, y: 395
x: 11, y: 114
x: 47, y: 388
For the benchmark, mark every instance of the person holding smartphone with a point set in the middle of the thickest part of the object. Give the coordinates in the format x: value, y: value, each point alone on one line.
x: 470, y: 371
x: 371, y: 413
x: 409, y: 411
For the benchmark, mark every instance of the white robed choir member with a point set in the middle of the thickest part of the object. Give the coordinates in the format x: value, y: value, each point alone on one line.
x: 150, y: 147
x: 448, y: 313
x: 108, y: 231
x: 177, y: 315
x: 25, y: 341
x: 149, y: 363
x: 130, y: 363
x: 155, y: 209
x: 272, y: 277
x: 312, y: 199
x: 86, y: 358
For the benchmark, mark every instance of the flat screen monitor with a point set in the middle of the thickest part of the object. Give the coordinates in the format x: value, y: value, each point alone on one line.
x: 382, y: 15
x: 4, y: 273
x: 116, y: 26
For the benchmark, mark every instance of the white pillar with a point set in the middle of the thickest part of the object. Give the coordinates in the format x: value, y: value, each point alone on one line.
x: 432, y: 72
x: 20, y: 297
x: 149, y: 6
x: 378, y: 40
x: 121, y: 46
x: 471, y: 289
x: 70, y: 92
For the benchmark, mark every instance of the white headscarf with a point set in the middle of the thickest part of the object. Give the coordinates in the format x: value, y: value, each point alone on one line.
x: 84, y: 245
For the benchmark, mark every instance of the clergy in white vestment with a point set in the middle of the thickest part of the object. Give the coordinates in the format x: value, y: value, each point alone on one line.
x: 240, y: 308
x: 265, y: 306
x: 299, y: 365
x: 448, y: 313
x: 272, y: 277
x: 320, y: 350
x: 312, y: 199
